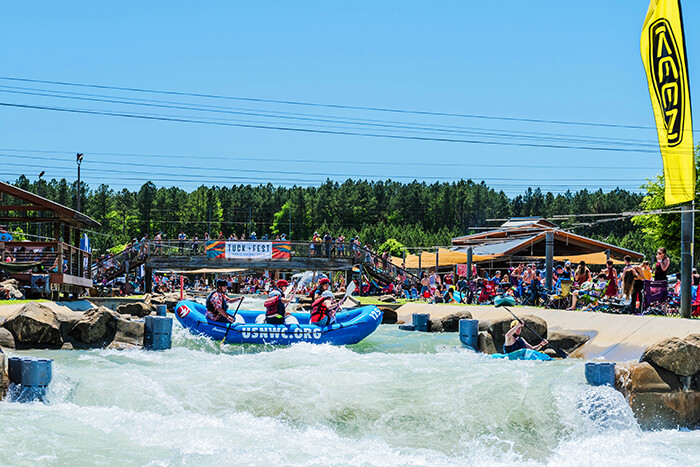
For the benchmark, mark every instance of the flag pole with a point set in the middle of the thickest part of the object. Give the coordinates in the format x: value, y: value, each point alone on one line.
x: 687, y: 231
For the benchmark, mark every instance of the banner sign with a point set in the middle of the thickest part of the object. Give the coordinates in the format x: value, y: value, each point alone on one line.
x: 664, y: 58
x: 462, y: 270
x: 248, y: 250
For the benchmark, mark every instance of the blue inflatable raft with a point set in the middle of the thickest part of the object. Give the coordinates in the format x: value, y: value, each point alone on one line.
x: 352, y: 326
x: 523, y: 354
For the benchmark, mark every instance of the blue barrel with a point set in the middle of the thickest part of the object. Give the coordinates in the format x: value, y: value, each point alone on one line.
x: 600, y: 373
x: 14, y: 369
x: 161, y: 310
x: 36, y: 374
x: 421, y: 321
x: 157, y: 333
x: 469, y: 333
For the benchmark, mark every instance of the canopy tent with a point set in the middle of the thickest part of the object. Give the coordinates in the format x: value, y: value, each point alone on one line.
x: 445, y: 258
x: 201, y: 271
x: 590, y: 258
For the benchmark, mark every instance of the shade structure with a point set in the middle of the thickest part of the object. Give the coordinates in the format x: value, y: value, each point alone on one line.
x: 445, y: 258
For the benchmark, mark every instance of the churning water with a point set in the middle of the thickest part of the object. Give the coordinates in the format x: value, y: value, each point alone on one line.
x: 397, y: 398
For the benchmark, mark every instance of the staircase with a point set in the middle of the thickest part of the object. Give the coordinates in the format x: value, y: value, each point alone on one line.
x: 115, y: 266
x: 387, y: 273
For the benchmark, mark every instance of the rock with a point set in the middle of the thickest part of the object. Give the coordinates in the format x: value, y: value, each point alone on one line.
x: 7, y: 340
x: 12, y: 288
x: 680, y: 356
x: 387, y: 299
x: 96, y: 325
x: 486, y: 344
x: 643, y: 377
x: 499, y: 327
x: 388, y: 315
x: 659, y: 410
x: 129, y: 333
x: 4, y: 383
x: 139, y: 309
x: 449, y: 323
x: 35, y: 325
x: 567, y: 341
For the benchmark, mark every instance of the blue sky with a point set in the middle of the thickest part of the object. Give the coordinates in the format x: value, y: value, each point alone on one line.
x: 542, y: 60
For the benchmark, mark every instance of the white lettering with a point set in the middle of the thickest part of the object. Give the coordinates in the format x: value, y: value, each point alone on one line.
x: 317, y: 333
x: 298, y: 332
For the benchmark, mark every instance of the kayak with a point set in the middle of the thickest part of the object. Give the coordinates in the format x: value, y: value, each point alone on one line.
x: 352, y: 326
x: 523, y: 354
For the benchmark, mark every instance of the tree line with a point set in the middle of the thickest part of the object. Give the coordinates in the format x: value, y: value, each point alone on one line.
x: 416, y: 214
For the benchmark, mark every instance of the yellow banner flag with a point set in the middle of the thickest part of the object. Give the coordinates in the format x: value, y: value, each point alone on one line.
x: 663, y: 54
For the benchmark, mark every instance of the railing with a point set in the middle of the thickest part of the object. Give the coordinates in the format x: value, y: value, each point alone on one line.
x: 55, y: 257
x: 137, y: 254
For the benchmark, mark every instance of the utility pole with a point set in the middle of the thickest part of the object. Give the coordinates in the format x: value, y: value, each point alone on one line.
x: 79, y: 160
x: 290, y: 222
x: 250, y: 219
x: 41, y: 213
x: 687, y: 231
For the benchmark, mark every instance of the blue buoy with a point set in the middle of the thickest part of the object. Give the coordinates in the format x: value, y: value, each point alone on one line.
x: 469, y: 333
x: 421, y: 321
x: 158, y: 333
x: 29, y: 377
x: 161, y: 310
x: 600, y: 373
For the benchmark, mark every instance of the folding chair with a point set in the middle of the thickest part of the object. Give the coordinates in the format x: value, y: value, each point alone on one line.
x: 654, y: 292
x: 561, y: 300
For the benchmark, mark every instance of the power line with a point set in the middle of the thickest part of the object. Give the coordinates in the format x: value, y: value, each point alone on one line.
x: 317, y: 131
x: 383, y: 124
x: 332, y: 106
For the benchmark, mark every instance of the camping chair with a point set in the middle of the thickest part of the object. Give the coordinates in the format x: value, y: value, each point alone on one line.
x: 654, y: 292
x: 695, y: 305
x: 589, y: 301
x: 562, y: 299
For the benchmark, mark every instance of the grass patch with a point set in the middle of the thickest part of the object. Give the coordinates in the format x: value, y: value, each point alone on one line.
x: 19, y: 302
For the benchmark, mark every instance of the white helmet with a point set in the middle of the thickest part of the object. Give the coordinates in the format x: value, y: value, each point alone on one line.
x: 328, y: 294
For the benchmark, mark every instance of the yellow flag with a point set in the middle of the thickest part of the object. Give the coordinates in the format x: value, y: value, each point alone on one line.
x: 663, y: 54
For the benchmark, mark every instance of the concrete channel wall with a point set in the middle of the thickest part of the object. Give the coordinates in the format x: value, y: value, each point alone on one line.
x: 613, y: 337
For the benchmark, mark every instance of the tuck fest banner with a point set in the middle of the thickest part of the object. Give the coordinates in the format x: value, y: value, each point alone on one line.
x: 249, y: 250
x: 663, y: 54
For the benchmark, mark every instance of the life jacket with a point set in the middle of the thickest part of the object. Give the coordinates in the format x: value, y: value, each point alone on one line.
x: 210, y: 304
x: 313, y: 292
x: 274, y: 308
x: 319, y: 310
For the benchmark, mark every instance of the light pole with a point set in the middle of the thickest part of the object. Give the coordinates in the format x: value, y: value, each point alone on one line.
x: 79, y: 160
x: 41, y: 213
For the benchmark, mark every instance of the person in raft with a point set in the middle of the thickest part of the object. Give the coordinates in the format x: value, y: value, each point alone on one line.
x: 217, y: 303
x: 276, y: 305
x: 515, y: 342
x: 324, y: 285
x: 323, y: 309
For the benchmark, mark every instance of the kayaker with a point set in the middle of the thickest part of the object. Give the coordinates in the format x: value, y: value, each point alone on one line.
x: 515, y: 342
x: 323, y: 309
x: 217, y: 303
x: 276, y: 305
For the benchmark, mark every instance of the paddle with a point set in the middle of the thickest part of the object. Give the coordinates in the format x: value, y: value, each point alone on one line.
x: 559, y: 351
x: 234, y: 317
x: 348, y: 291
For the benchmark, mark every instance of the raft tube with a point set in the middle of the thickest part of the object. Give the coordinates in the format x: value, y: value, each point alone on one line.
x: 352, y: 326
x: 523, y: 354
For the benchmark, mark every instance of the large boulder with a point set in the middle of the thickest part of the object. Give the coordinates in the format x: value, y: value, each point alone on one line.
x: 128, y: 333
x: 138, y: 309
x: 498, y: 328
x: 449, y: 323
x: 643, y: 377
x: 680, y: 356
x: 7, y: 340
x: 97, y: 325
x: 567, y: 341
x: 486, y: 344
x: 387, y: 299
x: 389, y: 315
x: 35, y: 325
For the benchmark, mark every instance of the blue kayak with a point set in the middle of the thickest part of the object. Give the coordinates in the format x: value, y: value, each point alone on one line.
x: 352, y: 326
x: 523, y: 354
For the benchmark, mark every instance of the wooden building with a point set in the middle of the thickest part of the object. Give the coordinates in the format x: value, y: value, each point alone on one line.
x: 523, y: 240
x: 61, y: 258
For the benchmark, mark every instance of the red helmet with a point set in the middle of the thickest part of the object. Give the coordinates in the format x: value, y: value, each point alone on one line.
x: 324, y: 280
x: 282, y: 283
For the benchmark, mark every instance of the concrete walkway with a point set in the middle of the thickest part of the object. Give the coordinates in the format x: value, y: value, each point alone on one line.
x: 612, y: 337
